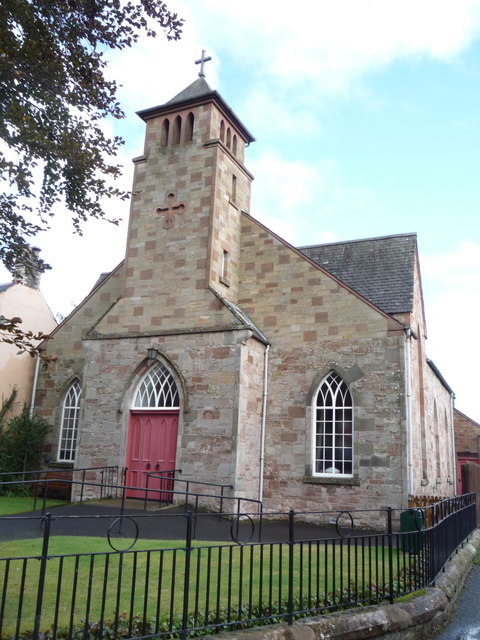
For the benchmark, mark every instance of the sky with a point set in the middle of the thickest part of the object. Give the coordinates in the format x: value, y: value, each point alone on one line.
x: 367, y: 123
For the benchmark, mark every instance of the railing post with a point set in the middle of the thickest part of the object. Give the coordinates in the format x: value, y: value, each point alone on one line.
x: 194, y: 534
x: 122, y: 507
x: 186, y: 496
x: 44, y: 502
x: 41, y: 578
x: 261, y: 522
x: 83, y: 486
x: 221, y: 498
x: 36, y: 491
x: 146, y: 491
x: 291, y: 559
x: 186, y: 583
x: 102, y: 481
x: 390, y: 554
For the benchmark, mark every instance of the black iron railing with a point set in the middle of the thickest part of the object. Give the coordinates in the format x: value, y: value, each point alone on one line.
x: 164, y: 480
x: 177, y: 590
x: 42, y: 484
x: 193, y: 495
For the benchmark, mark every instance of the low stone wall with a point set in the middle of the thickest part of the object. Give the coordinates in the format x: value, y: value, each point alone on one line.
x: 416, y: 618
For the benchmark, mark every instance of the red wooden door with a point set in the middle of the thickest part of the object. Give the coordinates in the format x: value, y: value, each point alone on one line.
x: 461, y: 461
x: 152, y: 446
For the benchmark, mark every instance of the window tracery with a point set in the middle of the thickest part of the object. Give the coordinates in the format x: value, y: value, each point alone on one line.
x: 333, y: 428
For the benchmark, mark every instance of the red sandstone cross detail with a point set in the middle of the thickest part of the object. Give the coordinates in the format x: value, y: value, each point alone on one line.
x: 168, y: 210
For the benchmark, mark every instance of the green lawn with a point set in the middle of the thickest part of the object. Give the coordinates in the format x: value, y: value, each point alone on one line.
x: 86, y: 581
x: 12, y: 505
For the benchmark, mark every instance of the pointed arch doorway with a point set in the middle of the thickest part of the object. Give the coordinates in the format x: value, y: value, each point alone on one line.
x: 152, y: 435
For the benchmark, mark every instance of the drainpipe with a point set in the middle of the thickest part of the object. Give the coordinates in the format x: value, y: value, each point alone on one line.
x: 454, y: 453
x: 34, y: 385
x: 408, y: 409
x: 264, y: 420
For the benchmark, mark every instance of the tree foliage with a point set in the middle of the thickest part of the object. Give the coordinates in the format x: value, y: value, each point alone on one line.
x: 21, y: 439
x: 25, y: 341
x: 53, y: 95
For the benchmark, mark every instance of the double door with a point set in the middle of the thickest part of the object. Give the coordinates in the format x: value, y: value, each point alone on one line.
x: 151, y: 449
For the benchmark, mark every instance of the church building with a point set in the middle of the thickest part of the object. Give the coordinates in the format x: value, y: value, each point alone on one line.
x: 296, y: 375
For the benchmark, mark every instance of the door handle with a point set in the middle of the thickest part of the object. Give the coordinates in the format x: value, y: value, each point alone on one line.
x: 147, y: 466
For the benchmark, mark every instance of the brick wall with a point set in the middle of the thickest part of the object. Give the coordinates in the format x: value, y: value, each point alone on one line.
x: 467, y: 433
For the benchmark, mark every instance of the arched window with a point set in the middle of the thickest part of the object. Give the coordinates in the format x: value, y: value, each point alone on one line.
x: 69, y: 425
x: 164, y: 133
x: 157, y: 390
x: 177, y: 130
x: 222, y: 131
x: 234, y: 145
x: 229, y: 137
x: 189, y: 127
x: 333, y: 428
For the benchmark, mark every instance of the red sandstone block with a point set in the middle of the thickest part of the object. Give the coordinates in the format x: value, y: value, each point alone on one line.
x: 220, y: 352
x: 310, y: 336
x: 322, y: 316
x: 267, y: 267
x: 270, y: 321
x: 296, y: 412
x: 211, y: 414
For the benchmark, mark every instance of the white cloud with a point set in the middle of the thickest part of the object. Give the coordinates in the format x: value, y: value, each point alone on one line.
x: 329, y: 43
x: 273, y: 118
x: 452, y: 296
x: 298, y: 199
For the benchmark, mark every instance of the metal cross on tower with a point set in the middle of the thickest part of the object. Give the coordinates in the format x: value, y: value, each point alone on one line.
x: 201, y: 62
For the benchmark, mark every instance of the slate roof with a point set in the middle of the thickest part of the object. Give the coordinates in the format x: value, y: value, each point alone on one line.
x: 380, y: 269
x: 198, y: 89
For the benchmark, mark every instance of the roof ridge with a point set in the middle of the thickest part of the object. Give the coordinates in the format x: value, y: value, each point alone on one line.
x: 358, y: 240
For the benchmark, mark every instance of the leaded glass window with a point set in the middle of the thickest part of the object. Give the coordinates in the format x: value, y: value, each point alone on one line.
x: 69, y: 424
x: 157, y: 390
x: 333, y: 432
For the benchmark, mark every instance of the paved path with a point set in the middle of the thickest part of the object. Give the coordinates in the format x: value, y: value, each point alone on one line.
x: 90, y: 519
x: 465, y: 624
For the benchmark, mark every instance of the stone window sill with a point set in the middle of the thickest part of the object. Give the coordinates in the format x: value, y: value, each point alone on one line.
x: 355, y: 482
x: 224, y: 281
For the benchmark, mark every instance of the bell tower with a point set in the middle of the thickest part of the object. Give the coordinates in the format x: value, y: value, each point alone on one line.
x: 189, y: 189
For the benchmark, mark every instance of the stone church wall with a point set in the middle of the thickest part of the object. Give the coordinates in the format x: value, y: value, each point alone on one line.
x: 431, y: 418
x: 316, y: 325
x: 67, y: 345
x: 205, y: 366
x: 248, y: 442
x: 439, y: 438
